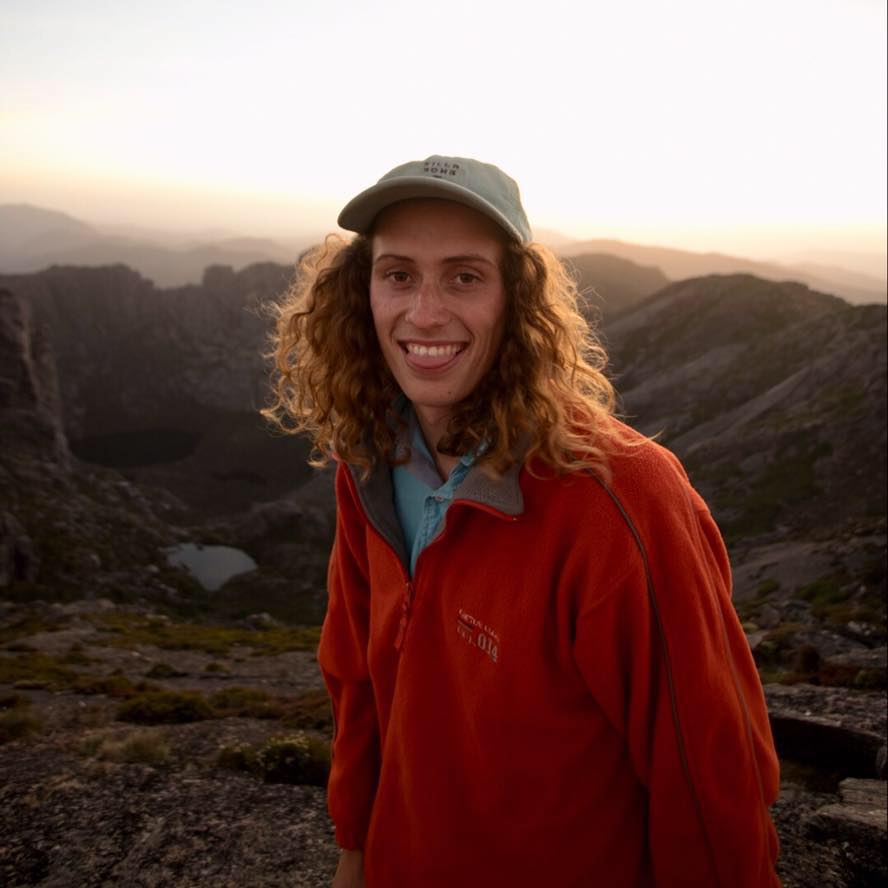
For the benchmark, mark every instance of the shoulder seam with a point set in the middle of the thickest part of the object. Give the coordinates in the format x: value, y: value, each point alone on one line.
x: 676, y: 721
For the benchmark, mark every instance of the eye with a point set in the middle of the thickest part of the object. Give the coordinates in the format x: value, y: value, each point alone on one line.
x: 467, y: 277
x: 397, y: 276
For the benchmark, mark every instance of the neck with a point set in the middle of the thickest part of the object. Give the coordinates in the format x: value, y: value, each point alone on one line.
x: 434, y: 424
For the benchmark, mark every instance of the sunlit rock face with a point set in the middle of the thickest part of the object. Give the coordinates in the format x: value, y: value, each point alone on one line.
x: 30, y: 408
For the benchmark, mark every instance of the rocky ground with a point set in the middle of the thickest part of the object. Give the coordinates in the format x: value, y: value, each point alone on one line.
x: 90, y: 799
x: 87, y: 799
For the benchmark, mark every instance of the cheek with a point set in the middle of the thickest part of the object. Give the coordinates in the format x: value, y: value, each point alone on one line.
x: 495, y: 321
x: 382, y: 324
x: 377, y: 312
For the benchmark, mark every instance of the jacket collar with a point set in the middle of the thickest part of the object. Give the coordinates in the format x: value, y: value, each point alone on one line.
x: 499, y: 494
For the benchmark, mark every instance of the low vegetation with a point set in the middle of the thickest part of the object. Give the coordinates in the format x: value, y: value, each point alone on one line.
x: 143, y: 746
x: 124, y: 629
x: 165, y: 708
x: 16, y: 718
x: 299, y: 758
x: 32, y: 669
x: 307, y: 711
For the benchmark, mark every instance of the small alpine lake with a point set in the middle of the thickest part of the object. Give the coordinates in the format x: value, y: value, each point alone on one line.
x: 211, y: 566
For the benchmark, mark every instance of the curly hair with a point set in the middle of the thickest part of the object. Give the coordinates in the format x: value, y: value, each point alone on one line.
x: 545, y: 396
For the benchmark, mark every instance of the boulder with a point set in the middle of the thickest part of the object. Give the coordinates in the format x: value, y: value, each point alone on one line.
x: 858, y: 826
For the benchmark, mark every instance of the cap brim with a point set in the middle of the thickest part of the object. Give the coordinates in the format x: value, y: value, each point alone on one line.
x: 358, y: 214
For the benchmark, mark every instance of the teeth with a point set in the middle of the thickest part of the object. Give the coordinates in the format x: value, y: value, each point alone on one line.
x: 432, y: 351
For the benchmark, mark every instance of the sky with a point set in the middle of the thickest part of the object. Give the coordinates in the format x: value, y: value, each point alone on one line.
x: 756, y: 127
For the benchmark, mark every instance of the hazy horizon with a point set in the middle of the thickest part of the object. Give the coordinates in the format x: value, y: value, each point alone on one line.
x: 753, y: 129
x: 866, y: 254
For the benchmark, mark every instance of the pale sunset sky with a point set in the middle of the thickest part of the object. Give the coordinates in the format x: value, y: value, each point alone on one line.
x: 756, y: 127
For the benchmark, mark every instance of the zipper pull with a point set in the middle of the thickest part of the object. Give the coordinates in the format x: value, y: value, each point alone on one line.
x: 406, y: 602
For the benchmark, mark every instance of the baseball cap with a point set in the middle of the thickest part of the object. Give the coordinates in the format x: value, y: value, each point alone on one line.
x: 482, y: 186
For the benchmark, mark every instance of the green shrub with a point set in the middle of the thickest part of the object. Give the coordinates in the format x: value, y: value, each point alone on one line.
x: 766, y: 587
x: 246, y: 703
x: 778, y: 645
x: 294, y: 758
x: 13, y: 701
x: 148, y: 747
x: 310, y: 711
x: 29, y: 625
x: 823, y: 592
x: 298, y: 758
x: 128, y: 630
x: 164, y: 670
x: 16, y: 723
x: 164, y: 707
x: 237, y: 758
x: 77, y: 658
x: 35, y: 670
x: 111, y: 685
x: 870, y: 680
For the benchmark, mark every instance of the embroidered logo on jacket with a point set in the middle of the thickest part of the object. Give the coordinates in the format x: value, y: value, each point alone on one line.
x: 479, y: 635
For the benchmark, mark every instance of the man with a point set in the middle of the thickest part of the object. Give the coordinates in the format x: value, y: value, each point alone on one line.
x: 536, y: 671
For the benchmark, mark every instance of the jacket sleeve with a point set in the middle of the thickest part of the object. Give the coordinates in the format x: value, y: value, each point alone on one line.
x: 342, y: 655
x: 677, y: 680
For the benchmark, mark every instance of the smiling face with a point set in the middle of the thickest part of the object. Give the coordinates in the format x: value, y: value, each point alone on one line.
x: 438, y: 301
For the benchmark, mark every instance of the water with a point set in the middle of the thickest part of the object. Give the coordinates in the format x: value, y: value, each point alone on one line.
x: 211, y: 566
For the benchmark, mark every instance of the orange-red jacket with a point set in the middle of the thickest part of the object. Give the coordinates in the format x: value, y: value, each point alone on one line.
x: 563, y: 695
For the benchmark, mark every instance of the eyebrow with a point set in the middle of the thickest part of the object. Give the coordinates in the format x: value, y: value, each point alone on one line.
x: 447, y: 260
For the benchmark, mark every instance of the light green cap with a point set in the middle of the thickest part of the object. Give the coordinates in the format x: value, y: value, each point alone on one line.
x: 482, y: 186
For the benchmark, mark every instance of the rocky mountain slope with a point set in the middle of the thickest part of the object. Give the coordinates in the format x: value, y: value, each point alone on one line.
x: 612, y: 286
x: 756, y: 383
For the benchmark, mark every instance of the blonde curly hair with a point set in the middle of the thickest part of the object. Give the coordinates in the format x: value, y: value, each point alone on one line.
x: 545, y: 397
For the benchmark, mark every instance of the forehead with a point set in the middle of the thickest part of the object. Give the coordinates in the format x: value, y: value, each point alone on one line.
x: 431, y: 226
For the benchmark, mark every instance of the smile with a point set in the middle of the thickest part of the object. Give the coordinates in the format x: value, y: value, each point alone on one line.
x: 433, y: 351
x: 431, y: 357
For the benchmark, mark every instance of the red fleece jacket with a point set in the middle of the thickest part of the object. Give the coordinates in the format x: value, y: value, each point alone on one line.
x: 562, y: 696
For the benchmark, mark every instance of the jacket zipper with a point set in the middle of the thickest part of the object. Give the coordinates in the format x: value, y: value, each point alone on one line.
x: 406, y: 605
x: 409, y: 595
x: 409, y: 585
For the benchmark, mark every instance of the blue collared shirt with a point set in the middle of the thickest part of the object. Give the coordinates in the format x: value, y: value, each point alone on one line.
x: 421, y: 500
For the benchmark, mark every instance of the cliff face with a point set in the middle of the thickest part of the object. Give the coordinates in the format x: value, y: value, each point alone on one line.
x: 65, y: 530
x: 166, y: 384
x: 131, y: 352
x: 30, y: 407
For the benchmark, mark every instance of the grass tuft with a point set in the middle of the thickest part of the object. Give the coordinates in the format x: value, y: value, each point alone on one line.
x: 149, y: 747
x: 128, y: 630
x: 298, y: 758
x: 164, y: 707
x: 18, y: 722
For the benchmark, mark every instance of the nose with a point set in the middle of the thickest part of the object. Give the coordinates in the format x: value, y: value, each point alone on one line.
x: 427, y: 308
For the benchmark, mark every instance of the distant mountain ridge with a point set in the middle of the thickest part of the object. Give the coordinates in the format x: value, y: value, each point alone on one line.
x: 33, y: 238
x: 682, y: 264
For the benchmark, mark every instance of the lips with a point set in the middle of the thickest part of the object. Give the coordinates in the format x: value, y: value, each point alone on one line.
x: 432, y: 355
